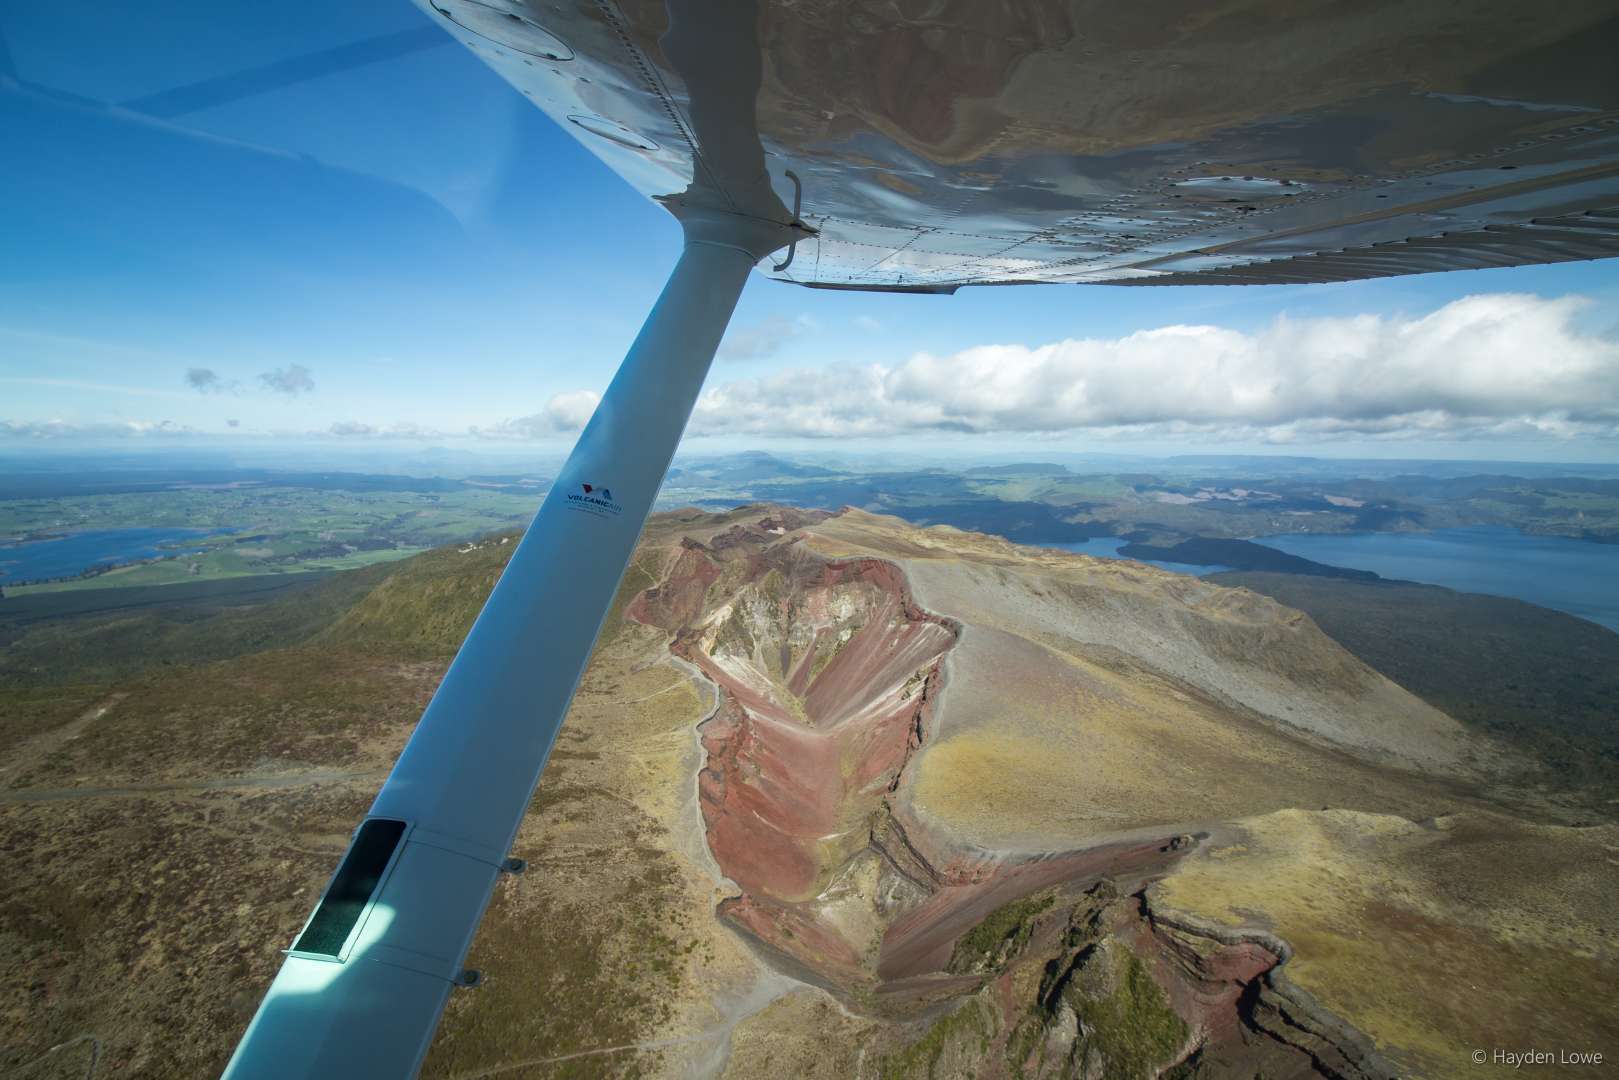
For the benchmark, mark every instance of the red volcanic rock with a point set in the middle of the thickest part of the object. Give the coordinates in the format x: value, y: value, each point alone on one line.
x: 795, y: 931
x: 790, y: 771
x: 921, y: 940
x: 769, y: 792
x: 767, y: 529
x: 828, y: 676
x: 788, y: 518
x: 827, y: 673
x: 678, y: 600
x: 1204, y: 978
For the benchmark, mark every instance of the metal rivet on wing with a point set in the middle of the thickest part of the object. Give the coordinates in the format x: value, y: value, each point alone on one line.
x: 505, y: 23
x: 613, y: 132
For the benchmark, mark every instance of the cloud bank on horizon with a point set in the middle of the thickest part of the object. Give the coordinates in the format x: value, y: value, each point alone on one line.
x: 1497, y: 365
x: 1489, y: 365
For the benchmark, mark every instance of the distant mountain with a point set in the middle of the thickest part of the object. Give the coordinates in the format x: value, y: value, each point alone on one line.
x: 750, y: 465
x: 1384, y: 468
x: 1250, y: 461
x: 1028, y: 468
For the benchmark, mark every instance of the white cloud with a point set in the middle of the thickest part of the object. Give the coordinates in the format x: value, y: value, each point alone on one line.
x: 401, y: 430
x: 571, y: 411
x: 564, y: 414
x: 764, y: 338
x: 66, y: 429
x: 867, y: 323
x: 294, y: 379
x: 1499, y: 365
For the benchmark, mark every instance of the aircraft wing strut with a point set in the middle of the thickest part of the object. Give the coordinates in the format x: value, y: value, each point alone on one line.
x: 362, y: 988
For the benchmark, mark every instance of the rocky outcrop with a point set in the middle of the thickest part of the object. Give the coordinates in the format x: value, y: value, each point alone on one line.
x: 677, y: 600
x: 1239, y: 981
x: 1129, y: 992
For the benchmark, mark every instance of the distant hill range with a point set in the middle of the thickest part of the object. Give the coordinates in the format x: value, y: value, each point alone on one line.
x: 1029, y: 468
x: 747, y: 466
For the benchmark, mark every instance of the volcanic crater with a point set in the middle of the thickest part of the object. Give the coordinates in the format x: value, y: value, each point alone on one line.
x: 829, y: 675
x: 991, y: 798
x: 827, y: 671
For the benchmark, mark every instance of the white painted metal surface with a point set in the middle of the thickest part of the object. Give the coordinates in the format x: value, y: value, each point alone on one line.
x: 468, y: 773
x: 958, y: 142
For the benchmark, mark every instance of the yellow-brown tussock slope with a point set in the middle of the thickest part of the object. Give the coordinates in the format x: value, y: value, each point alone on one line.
x: 1438, y: 939
x: 1091, y: 696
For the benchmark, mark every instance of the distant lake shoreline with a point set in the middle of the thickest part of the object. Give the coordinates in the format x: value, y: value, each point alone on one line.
x: 1573, y: 576
x: 1576, y: 577
x: 1565, y: 574
x: 67, y: 555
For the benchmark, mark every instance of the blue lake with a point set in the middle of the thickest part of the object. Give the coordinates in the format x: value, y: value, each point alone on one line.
x: 1575, y: 576
x: 71, y: 555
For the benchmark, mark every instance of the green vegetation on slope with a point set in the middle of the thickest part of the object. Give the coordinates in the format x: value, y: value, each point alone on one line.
x: 95, y: 635
x: 1544, y: 682
x: 960, y: 1038
x: 573, y: 970
x: 1000, y: 936
x: 428, y: 603
x: 1124, y: 1016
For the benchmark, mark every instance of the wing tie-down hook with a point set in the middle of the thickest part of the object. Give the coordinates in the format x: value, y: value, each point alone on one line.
x: 798, y: 224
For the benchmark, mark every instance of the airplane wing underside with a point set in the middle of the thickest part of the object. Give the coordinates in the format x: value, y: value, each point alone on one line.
x: 941, y: 143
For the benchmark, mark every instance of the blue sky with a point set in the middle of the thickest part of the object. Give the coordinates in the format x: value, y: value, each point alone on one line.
x: 407, y: 246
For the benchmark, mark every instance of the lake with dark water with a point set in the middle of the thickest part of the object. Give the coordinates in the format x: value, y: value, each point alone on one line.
x: 1575, y: 576
x: 74, y: 553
